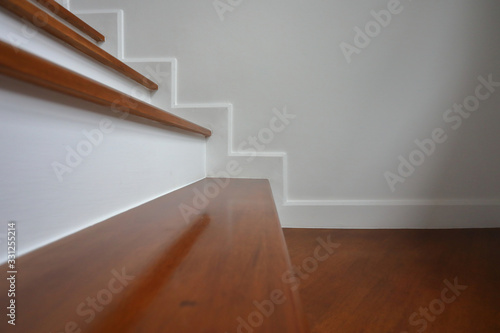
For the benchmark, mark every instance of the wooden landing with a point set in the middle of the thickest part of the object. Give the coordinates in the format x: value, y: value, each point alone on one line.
x: 431, y: 281
x: 185, y: 262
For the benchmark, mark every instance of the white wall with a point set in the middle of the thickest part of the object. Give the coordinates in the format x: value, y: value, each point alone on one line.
x: 353, y: 119
x: 130, y: 162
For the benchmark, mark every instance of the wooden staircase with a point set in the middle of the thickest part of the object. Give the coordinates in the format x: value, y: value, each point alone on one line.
x: 58, y: 29
x: 210, y: 257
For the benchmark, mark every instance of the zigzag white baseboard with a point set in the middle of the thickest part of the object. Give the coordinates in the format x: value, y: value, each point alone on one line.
x: 319, y: 213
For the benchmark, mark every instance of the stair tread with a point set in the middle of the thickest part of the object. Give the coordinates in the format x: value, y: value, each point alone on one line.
x: 33, y: 69
x: 198, y: 271
x: 72, y: 19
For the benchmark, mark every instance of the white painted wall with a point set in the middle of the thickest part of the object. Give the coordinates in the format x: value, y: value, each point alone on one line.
x: 130, y: 162
x: 353, y: 118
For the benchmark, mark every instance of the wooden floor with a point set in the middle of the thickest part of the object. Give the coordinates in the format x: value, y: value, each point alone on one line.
x: 396, y: 281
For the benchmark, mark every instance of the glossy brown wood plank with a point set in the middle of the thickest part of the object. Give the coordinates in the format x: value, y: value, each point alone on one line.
x: 33, y: 69
x: 72, y: 19
x: 190, y: 273
x: 42, y: 20
x: 377, y: 279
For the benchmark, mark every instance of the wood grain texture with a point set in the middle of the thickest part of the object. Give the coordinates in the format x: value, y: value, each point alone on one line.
x: 72, y: 19
x: 33, y: 69
x: 195, y: 274
x: 31, y: 13
x: 377, y: 279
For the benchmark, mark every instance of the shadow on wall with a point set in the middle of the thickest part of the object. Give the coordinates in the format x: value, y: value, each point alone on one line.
x: 466, y: 131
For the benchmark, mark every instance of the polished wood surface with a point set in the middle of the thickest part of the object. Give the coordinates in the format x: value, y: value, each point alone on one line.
x: 377, y: 279
x: 46, y: 22
x: 72, y: 19
x: 33, y: 69
x: 188, y: 261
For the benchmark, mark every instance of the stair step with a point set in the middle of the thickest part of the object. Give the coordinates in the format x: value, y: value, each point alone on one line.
x: 109, y: 23
x: 72, y: 19
x: 33, y: 69
x: 209, y: 257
